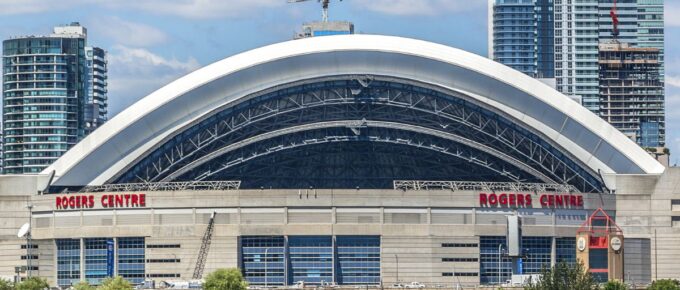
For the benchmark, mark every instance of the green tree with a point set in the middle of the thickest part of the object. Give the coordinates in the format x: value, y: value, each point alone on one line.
x: 666, y: 284
x: 116, y: 283
x: 614, y: 285
x: 33, y: 283
x: 564, y: 277
x: 6, y: 285
x: 83, y: 286
x: 225, y: 279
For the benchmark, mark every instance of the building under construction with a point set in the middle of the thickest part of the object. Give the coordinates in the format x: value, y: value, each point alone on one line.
x: 632, y: 92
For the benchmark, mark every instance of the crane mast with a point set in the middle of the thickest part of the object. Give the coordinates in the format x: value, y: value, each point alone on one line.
x: 205, y: 247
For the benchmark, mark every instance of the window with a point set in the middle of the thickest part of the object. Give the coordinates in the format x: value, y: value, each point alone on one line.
x: 68, y: 262
x: 163, y: 246
x: 358, y: 259
x: 33, y: 257
x: 675, y: 221
x: 460, y: 274
x: 460, y: 260
x: 98, y: 264
x: 164, y: 275
x: 460, y: 245
x: 33, y: 246
x: 131, y: 259
x: 162, y: 260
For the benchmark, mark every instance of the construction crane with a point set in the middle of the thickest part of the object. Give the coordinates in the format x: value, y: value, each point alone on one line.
x: 324, y: 4
x: 205, y: 247
x: 615, y: 21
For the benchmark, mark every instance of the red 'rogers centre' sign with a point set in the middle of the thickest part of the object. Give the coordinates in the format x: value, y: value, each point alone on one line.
x: 125, y: 200
x: 507, y: 199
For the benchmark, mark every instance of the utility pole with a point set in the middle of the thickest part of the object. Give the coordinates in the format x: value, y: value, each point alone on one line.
x: 656, y: 258
x: 397, y: 258
x: 28, y: 239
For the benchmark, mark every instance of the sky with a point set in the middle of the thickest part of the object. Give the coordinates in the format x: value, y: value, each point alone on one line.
x: 153, y: 42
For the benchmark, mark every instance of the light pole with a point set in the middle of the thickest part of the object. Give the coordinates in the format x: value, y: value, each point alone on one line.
x: 265, y: 267
x: 397, y: 258
x: 28, y: 239
x: 453, y: 267
x: 500, y: 247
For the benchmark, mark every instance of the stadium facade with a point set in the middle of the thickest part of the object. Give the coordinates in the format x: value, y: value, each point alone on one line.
x: 352, y: 159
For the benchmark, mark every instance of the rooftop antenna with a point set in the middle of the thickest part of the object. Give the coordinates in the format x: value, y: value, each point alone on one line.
x: 324, y: 5
x: 615, y: 22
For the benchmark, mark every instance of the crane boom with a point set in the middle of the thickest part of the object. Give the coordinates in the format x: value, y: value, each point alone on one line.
x: 205, y: 247
x: 324, y: 4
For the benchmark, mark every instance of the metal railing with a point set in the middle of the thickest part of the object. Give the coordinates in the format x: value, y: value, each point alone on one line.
x: 482, y: 186
x: 165, y: 186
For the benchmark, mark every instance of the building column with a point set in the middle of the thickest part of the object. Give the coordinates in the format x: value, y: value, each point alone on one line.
x: 82, y: 260
x: 553, y: 252
x: 115, y: 256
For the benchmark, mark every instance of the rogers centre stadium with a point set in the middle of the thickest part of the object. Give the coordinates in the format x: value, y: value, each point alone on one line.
x: 356, y: 160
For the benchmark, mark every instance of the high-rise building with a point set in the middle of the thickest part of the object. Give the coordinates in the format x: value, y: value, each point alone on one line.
x: 641, y: 24
x: 578, y: 28
x: 521, y: 35
x: 632, y: 93
x: 96, y: 106
x: 46, y: 92
x: 325, y: 28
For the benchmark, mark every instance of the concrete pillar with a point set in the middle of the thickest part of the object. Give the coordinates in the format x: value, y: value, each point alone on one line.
x: 553, y: 252
x: 82, y: 260
x: 115, y: 256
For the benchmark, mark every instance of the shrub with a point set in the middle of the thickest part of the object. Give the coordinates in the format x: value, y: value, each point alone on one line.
x: 33, y: 283
x: 615, y: 285
x: 83, y: 286
x: 665, y: 284
x: 116, y: 283
x: 6, y: 285
x: 564, y: 277
x: 225, y: 279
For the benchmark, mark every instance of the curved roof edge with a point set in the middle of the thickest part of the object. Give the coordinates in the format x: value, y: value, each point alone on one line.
x: 133, y: 131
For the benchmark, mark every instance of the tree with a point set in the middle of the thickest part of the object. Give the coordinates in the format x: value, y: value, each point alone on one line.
x: 116, y: 283
x: 614, y: 285
x: 225, y: 279
x: 564, y: 277
x: 33, y: 283
x: 6, y: 285
x: 83, y: 286
x: 665, y: 284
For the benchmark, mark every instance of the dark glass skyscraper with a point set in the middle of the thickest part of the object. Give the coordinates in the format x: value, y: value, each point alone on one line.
x: 45, y: 90
x: 523, y: 35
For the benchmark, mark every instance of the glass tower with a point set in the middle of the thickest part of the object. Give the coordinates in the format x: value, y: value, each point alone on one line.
x: 46, y: 90
x: 560, y: 39
x: 522, y: 35
x: 96, y: 107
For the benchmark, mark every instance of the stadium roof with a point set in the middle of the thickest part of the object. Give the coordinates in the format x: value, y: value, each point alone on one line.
x: 562, y: 127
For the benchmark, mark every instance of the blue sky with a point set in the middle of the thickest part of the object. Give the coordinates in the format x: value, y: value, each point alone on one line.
x: 152, y: 42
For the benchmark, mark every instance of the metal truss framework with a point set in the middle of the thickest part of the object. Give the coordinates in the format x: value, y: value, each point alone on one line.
x: 356, y: 98
x: 164, y: 186
x: 482, y: 186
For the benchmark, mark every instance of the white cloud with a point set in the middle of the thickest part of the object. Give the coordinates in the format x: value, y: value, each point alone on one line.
x: 196, y: 9
x: 671, y: 11
x: 9, y: 7
x: 126, y: 32
x: 136, y: 72
x: 673, y: 80
x: 199, y: 9
x: 419, y: 7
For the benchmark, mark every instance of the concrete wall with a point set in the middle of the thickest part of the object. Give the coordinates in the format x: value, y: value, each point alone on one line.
x: 644, y: 210
x: 413, y: 224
